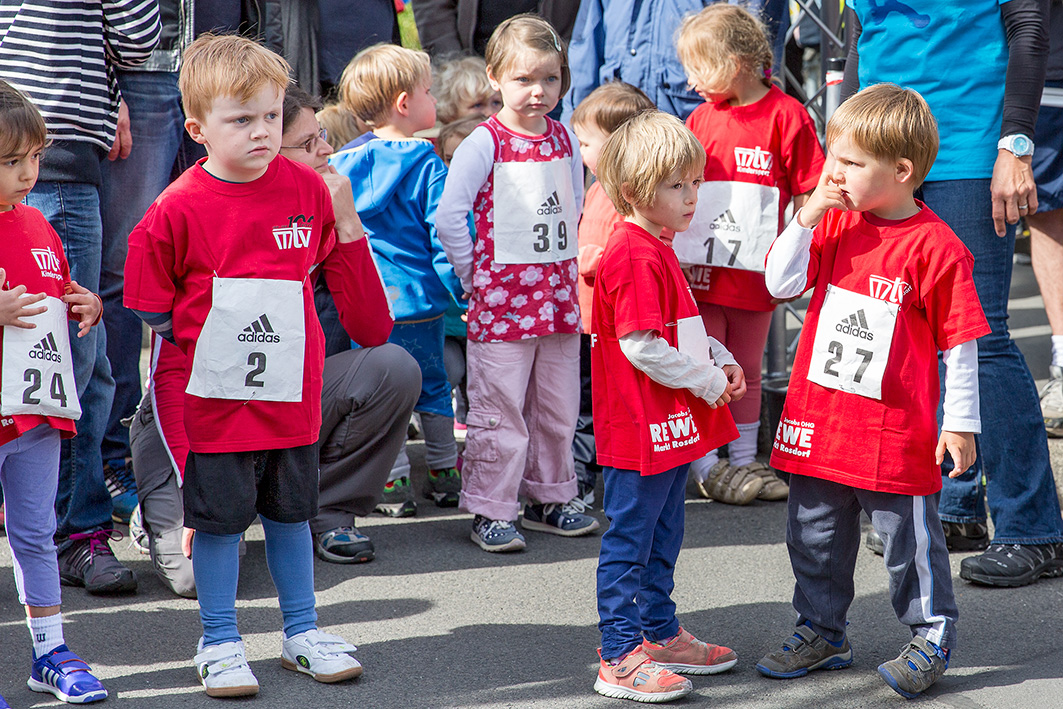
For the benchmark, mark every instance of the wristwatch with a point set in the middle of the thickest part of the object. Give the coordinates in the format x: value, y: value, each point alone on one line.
x: 1017, y: 144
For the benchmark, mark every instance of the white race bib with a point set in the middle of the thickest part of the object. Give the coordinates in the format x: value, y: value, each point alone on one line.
x: 852, y: 344
x: 734, y: 225
x: 253, y: 342
x: 693, y: 340
x: 38, y: 371
x: 535, y: 213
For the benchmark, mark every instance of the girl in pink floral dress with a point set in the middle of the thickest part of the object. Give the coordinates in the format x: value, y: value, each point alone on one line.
x: 520, y: 173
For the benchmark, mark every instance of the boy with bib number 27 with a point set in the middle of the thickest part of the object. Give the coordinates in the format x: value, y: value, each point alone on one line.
x: 892, y: 287
x: 38, y: 401
x: 220, y: 265
x: 521, y: 174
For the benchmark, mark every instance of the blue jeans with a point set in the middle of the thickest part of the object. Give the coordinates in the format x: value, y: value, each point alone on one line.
x: 1013, y: 450
x: 637, y: 563
x: 127, y: 190
x: 82, y: 503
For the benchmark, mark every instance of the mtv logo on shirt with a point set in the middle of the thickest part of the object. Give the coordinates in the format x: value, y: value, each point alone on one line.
x: 296, y: 235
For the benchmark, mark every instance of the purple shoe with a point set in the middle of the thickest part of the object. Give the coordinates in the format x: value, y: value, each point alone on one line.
x: 67, y: 676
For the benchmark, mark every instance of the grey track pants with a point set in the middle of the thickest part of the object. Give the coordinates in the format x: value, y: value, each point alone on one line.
x: 823, y: 537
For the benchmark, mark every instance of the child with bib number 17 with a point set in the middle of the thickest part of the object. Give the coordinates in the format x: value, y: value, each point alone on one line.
x: 892, y: 287
x: 762, y: 152
x: 38, y: 401
x: 521, y: 174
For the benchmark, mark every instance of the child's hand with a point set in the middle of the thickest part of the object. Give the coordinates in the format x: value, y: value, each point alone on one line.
x: 14, y: 305
x: 827, y: 195
x: 85, y: 305
x: 960, y: 446
x: 726, y: 396
x: 737, y: 379
x: 186, y: 542
x: 348, y: 225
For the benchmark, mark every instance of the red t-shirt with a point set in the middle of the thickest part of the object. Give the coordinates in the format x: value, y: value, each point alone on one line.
x: 775, y: 139
x: 26, y: 231
x: 884, y: 445
x: 638, y: 423
x: 201, y: 227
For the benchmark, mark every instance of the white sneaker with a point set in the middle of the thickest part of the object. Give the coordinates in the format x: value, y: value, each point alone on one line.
x: 223, y: 670
x: 320, y: 655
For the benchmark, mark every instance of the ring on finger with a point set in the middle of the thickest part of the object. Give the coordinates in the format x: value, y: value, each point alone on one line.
x: 1024, y: 206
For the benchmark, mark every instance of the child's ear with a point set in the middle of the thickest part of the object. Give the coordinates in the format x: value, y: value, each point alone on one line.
x: 627, y: 193
x: 905, y: 170
x: 493, y: 81
x: 195, y: 130
x: 402, y: 104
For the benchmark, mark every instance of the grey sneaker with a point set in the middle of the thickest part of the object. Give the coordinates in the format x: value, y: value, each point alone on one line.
x: 804, y: 651
x: 1052, y: 403
x: 397, y: 499
x: 566, y: 520
x: 496, y: 534
x: 919, y: 665
x: 344, y: 545
x: 444, y: 487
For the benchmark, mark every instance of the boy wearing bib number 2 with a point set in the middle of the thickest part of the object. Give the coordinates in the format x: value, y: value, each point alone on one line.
x: 38, y: 401
x: 892, y: 288
x: 762, y: 151
x: 660, y: 385
x: 521, y: 175
x: 220, y: 265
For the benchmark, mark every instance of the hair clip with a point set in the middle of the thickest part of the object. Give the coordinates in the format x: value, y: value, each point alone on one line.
x: 557, y: 41
x: 767, y: 73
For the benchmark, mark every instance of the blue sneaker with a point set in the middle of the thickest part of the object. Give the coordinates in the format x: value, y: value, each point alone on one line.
x: 804, y: 651
x: 4, y: 704
x: 919, y: 665
x: 65, y: 675
x: 567, y: 520
x: 496, y: 534
x: 118, y: 475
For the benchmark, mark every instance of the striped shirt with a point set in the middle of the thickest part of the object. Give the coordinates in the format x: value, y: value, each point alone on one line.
x: 63, y: 53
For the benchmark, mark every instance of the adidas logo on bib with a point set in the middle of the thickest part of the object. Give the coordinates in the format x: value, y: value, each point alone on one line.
x: 259, y: 330
x: 552, y: 205
x: 46, y: 349
x: 856, y: 325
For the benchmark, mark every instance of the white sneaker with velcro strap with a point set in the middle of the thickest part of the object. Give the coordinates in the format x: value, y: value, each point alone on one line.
x: 224, y: 671
x: 320, y: 655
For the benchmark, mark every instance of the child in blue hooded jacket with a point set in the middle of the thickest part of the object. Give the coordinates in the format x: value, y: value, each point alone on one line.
x: 398, y: 181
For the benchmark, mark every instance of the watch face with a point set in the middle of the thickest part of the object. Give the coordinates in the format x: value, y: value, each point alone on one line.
x: 1021, y: 145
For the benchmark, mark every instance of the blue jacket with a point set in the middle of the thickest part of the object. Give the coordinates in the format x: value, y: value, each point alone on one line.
x: 397, y: 186
x: 634, y: 41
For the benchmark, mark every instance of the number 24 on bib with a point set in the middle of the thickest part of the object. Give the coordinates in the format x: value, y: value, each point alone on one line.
x: 852, y: 345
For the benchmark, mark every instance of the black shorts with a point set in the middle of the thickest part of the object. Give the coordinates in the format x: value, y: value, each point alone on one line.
x: 224, y: 492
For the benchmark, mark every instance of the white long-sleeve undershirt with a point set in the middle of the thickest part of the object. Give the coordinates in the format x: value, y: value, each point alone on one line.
x: 653, y: 356
x: 470, y: 167
x: 786, y: 275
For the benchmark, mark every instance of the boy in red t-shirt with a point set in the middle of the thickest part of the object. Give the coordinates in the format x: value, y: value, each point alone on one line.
x: 594, y: 120
x: 220, y: 265
x: 659, y: 385
x: 859, y: 430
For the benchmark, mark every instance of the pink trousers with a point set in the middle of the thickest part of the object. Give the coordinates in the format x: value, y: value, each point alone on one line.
x: 523, y: 405
x: 744, y: 333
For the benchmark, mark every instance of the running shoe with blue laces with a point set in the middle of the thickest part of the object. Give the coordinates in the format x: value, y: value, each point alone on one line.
x: 67, y: 676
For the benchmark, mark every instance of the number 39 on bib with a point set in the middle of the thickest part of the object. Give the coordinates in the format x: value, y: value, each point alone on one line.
x: 852, y: 345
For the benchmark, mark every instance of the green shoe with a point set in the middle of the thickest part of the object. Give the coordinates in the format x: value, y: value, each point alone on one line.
x: 444, y: 487
x: 397, y: 499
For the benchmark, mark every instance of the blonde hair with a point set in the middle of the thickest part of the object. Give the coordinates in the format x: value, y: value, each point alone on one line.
x: 525, y: 33
x: 720, y: 41
x: 458, y: 82
x: 21, y: 125
x: 376, y: 76
x: 890, y: 123
x: 609, y: 105
x: 218, y: 65
x: 340, y: 124
x: 643, y: 152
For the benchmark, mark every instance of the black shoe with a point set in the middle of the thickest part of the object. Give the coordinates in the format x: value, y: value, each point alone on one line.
x: 874, y: 542
x: 89, y: 562
x: 966, y: 536
x: 1013, y: 564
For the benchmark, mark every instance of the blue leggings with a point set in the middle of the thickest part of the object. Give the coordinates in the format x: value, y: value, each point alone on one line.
x: 216, y: 564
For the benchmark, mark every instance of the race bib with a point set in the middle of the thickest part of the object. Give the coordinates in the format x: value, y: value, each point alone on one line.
x: 852, y: 344
x: 38, y: 371
x: 693, y: 340
x: 734, y: 225
x: 535, y: 213
x: 253, y: 342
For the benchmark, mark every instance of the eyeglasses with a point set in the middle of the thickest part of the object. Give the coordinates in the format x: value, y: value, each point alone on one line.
x: 310, y: 143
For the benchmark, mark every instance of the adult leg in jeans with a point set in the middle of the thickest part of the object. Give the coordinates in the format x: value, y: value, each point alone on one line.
x: 1013, y: 453
x: 83, y: 505
x: 127, y: 189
